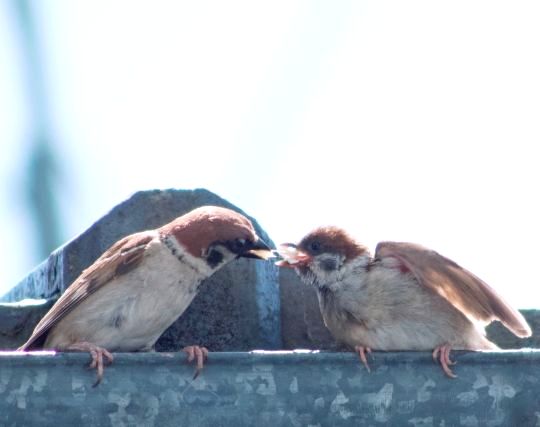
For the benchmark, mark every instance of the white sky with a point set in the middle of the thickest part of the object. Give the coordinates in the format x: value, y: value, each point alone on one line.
x: 415, y: 121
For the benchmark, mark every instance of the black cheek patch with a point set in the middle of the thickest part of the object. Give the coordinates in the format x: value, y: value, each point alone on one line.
x: 328, y: 264
x: 214, y: 258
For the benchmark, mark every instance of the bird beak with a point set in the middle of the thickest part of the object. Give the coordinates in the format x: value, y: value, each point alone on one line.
x: 292, y: 256
x: 259, y: 250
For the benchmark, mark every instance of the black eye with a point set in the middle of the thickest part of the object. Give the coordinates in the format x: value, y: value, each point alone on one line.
x: 315, y: 246
x: 237, y: 245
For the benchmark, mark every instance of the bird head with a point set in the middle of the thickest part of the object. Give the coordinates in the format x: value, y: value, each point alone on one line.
x: 322, y: 256
x: 218, y: 235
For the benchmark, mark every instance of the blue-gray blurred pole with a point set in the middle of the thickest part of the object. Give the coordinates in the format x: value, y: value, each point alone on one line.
x: 41, y: 184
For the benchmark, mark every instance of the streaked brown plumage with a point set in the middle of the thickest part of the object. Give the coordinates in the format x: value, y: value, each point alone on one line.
x: 143, y: 283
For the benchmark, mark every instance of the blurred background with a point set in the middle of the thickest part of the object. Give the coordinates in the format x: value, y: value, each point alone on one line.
x: 415, y: 121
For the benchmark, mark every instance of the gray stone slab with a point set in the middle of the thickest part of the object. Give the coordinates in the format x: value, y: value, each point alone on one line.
x: 276, y: 389
x: 506, y: 339
x: 301, y: 321
x: 17, y: 321
x: 237, y: 308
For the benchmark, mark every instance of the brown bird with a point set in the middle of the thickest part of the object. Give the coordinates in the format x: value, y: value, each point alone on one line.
x: 143, y: 283
x: 406, y: 297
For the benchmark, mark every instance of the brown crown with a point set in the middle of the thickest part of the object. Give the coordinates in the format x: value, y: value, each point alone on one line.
x: 201, y: 227
x: 332, y: 240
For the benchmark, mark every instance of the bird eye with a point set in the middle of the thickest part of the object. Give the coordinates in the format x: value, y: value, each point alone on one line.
x: 237, y: 245
x: 315, y: 246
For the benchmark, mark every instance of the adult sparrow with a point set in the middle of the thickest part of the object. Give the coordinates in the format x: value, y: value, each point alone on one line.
x: 127, y: 298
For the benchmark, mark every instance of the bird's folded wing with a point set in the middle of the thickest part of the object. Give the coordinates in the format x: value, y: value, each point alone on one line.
x: 472, y: 296
x: 120, y: 258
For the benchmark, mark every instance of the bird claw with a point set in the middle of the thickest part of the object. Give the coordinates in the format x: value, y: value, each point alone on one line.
x: 96, y: 353
x: 199, y: 353
x: 361, y: 351
x: 441, y: 354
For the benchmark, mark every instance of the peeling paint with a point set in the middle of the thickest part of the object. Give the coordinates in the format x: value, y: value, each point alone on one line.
x: 333, y: 375
x: 481, y: 381
x: 318, y: 403
x: 19, y: 395
x: 424, y: 393
x: 468, y: 421
x: 120, y: 417
x: 497, y: 418
x: 170, y: 399
x: 338, y: 406
x: 406, y: 406
x: 422, y: 422
x: 78, y: 388
x: 499, y: 390
x: 5, y: 376
x: 261, y: 380
x: 467, y: 398
x: 294, y: 386
x: 267, y: 386
x: 151, y: 403
x: 40, y: 381
x: 381, y: 401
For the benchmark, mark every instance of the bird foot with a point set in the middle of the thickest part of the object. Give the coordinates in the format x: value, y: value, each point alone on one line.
x: 97, y: 354
x: 361, y: 351
x: 442, y: 353
x: 200, y: 353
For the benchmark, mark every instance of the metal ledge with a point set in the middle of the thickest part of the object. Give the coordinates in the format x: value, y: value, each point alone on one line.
x: 271, y: 388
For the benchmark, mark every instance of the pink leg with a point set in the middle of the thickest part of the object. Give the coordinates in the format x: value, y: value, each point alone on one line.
x: 361, y: 351
x: 442, y: 353
x: 97, y: 354
x: 200, y: 353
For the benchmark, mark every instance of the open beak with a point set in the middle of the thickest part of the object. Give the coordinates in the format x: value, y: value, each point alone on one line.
x: 292, y: 257
x: 259, y: 250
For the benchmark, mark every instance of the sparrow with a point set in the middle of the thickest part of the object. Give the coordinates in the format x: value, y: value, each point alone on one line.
x: 405, y: 297
x: 131, y: 294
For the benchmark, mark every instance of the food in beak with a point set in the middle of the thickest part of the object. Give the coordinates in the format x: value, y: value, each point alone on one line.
x: 262, y: 253
x: 291, y: 256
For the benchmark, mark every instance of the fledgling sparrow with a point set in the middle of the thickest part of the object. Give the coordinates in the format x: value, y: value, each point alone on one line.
x: 143, y: 283
x: 406, y: 297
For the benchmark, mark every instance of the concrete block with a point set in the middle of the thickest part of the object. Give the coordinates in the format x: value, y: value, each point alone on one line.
x: 302, y: 325
x: 237, y: 308
x: 501, y: 336
x: 17, y: 321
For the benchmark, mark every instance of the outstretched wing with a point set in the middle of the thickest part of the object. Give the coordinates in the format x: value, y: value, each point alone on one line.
x: 120, y: 258
x: 472, y: 296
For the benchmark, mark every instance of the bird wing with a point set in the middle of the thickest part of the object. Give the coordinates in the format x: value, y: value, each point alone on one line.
x: 120, y: 258
x: 471, y: 295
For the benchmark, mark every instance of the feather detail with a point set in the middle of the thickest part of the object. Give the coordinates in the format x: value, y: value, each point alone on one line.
x: 120, y: 258
x: 461, y: 288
